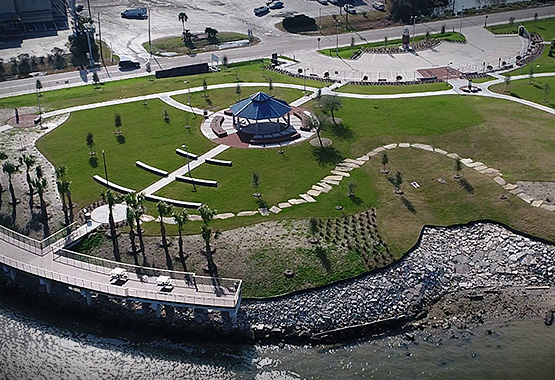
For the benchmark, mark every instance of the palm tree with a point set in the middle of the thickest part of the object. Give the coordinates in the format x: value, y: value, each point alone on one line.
x: 10, y: 169
x: 136, y: 202
x: 131, y: 222
x: 183, y: 18
x: 29, y: 161
x: 164, y: 209
x: 40, y: 184
x: 61, y: 171
x: 207, y: 215
x: 181, y: 218
x: 109, y: 197
x: 60, y: 185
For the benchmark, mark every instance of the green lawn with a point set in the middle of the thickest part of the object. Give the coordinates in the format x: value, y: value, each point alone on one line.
x: 534, y: 91
x: 545, y: 28
x: 175, y: 44
x: 224, y: 97
x: 347, y: 51
x: 382, y: 90
x: 483, y: 80
x: 147, y: 138
x: 58, y: 99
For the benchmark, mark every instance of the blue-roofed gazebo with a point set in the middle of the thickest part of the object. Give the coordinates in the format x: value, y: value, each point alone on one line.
x: 260, y: 106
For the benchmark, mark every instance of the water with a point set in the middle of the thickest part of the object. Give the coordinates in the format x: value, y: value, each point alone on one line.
x: 34, y: 349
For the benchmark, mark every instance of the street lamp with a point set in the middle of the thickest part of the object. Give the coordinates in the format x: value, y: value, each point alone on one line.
x: 189, y: 166
x: 460, y: 26
x: 413, y: 18
x: 337, y: 37
x: 486, y: 23
x: 448, y: 65
x: 304, y: 78
x: 190, y: 104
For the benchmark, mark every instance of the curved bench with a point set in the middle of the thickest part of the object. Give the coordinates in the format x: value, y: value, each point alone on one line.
x: 151, y: 169
x: 197, y: 181
x: 214, y: 161
x: 181, y: 152
x: 173, y: 202
x: 216, y: 126
x: 111, y: 185
x: 275, y: 140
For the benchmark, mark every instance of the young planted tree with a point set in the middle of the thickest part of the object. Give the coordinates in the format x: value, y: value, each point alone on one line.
x: 205, y: 87
x: 319, y: 97
x: 164, y: 210
x: 255, y: 183
x: 181, y: 218
x: 398, y: 181
x: 531, y: 75
x: 351, y: 189
x: 332, y: 103
x: 38, y: 86
x: 10, y: 169
x: 60, y: 185
x: 385, y: 161
x: 137, y: 203
x: 40, y: 184
x: 270, y: 85
x: 117, y: 123
x: 313, y: 226
x: 238, y: 91
x: 225, y: 61
x: 111, y: 199
x: 3, y: 156
x: 546, y: 91
x: 90, y: 143
x: 535, y: 19
x: 96, y: 80
x: 183, y: 18
x: 458, y: 168
x: 131, y: 221
x: 207, y: 215
x: 508, y: 83
x: 385, y: 41
x: 318, y: 123
x: 67, y: 190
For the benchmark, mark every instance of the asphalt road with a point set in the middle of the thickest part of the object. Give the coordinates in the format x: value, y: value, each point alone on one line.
x: 285, y: 44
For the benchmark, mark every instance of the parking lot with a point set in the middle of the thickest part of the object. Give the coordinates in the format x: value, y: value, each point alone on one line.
x: 126, y: 36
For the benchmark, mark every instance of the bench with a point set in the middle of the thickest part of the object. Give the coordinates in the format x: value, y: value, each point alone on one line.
x: 151, y: 169
x: 111, y: 185
x: 197, y: 181
x: 216, y: 126
x: 183, y: 153
x: 214, y: 161
x: 303, y: 118
x: 173, y: 202
x: 275, y: 140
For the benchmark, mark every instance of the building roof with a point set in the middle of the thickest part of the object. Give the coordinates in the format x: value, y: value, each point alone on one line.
x: 260, y: 106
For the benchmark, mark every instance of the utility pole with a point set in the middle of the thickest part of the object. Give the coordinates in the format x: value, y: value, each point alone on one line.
x: 337, y: 37
x: 149, y: 39
x: 100, y: 40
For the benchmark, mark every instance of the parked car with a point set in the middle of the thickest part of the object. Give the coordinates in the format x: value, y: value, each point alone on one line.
x: 349, y: 8
x: 323, y: 2
x: 378, y: 5
x: 277, y: 5
x: 261, y: 11
x: 138, y: 13
x: 334, y: 2
x: 129, y: 64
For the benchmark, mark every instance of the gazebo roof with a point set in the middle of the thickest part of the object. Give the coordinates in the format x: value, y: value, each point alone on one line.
x: 260, y: 106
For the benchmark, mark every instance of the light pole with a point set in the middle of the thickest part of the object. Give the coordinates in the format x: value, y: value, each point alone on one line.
x: 304, y: 78
x: 337, y: 38
x: 149, y: 39
x: 448, y: 76
x: 190, y: 104
x: 189, y: 166
x: 460, y: 26
x: 413, y: 29
x: 486, y: 23
x: 105, y: 167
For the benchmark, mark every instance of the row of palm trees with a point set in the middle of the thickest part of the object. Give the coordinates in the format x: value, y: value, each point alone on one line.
x: 135, y: 208
x: 36, y: 185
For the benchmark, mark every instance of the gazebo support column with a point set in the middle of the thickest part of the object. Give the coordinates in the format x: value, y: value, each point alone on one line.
x: 288, y: 119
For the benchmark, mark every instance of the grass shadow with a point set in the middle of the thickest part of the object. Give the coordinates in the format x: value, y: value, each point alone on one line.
x: 121, y: 139
x: 327, y: 155
x: 466, y: 186
x: 341, y: 131
x: 322, y: 255
x: 408, y: 204
x: 93, y: 161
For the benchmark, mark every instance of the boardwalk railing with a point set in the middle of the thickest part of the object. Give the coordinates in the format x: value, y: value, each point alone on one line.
x: 208, y: 291
x: 34, y: 246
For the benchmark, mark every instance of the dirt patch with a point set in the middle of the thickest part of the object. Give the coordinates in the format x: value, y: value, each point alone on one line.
x: 539, y: 190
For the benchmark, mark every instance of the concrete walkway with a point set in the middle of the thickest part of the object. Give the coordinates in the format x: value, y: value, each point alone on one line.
x: 156, y: 186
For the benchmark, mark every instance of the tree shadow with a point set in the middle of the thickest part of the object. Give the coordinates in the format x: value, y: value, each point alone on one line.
x: 355, y: 200
x: 322, y: 255
x: 408, y: 205
x: 208, y: 101
x: 342, y: 131
x: 261, y: 203
x: 121, y: 139
x: 93, y: 161
x: 327, y: 155
x: 466, y: 186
